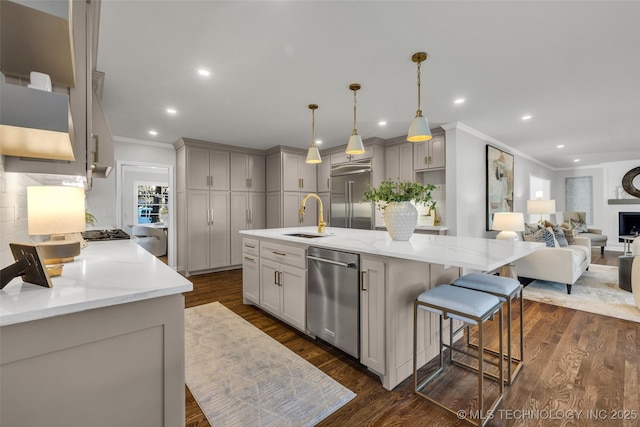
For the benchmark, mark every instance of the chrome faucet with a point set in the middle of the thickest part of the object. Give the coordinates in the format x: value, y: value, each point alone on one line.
x: 321, y: 222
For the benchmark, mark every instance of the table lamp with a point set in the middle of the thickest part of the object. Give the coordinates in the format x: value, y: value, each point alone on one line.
x: 508, y: 223
x: 56, y: 211
x: 540, y: 206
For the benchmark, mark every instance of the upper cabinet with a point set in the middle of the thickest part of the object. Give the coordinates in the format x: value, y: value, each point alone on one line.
x: 41, y: 36
x: 38, y: 36
x: 324, y: 175
x: 207, y: 169
x: 429, y: 154
x: 297, y: 174
x: 247, y: 172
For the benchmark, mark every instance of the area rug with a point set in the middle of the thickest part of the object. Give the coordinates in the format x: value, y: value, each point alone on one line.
x: 240, y: 376
x: 596, y: 291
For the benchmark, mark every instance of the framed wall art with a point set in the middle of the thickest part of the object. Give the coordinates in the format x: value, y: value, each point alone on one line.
x: 499, y: 182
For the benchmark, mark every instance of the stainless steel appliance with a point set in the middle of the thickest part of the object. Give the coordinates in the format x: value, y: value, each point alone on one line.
x: 348, y: 184
x: 333, y: 298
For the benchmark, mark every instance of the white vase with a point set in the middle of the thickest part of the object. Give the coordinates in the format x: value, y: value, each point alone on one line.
x: 400, y: 218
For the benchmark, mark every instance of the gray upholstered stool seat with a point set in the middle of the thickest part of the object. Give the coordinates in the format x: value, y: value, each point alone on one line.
x: 506, y: 289
x: 472, y: 308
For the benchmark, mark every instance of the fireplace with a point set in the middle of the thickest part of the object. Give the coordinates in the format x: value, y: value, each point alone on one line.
x: 628, y: 223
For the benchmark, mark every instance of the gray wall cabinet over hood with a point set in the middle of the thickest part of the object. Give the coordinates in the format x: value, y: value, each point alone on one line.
x: 35, y: 123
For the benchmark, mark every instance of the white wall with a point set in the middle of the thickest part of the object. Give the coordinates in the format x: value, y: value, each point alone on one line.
x: 101, y: 200
x: 466, y: 180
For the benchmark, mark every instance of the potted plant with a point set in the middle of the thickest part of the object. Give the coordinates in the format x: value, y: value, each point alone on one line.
x: 394, y: 199
x: 164, y: 215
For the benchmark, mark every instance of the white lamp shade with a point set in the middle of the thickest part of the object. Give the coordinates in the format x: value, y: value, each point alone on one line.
x: 541, y: 206
x: 55, y: 210
x: 313, y: 155
x: 419, y: 130
x: 355, y: 145
x: 508, y: 221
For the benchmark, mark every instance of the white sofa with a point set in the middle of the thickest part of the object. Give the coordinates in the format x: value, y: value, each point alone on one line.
x: 564, y: 264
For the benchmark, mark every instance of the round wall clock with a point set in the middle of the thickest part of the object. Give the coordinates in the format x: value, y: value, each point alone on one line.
x: 627, y: 182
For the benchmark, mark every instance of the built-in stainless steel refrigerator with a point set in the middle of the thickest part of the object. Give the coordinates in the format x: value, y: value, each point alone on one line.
x: 348, y: 184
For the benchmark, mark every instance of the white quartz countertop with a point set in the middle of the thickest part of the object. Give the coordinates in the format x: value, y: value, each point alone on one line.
x: 467, y: 252
x: 106, y: 273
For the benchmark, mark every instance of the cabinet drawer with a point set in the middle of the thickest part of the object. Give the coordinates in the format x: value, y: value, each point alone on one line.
x: 250, y: 247
x: 283, y: 254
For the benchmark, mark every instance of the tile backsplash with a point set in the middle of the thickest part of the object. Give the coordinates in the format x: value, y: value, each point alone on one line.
x: 13, y: 212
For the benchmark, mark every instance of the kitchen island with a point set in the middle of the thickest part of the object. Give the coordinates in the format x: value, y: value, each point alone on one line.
x: 104, y: 346
x: 392, y: 275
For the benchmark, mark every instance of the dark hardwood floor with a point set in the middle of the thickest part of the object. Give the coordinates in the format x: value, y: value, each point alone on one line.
x: 575, y: 361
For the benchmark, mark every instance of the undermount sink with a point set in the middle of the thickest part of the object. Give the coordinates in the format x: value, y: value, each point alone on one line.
x: 305, y: 235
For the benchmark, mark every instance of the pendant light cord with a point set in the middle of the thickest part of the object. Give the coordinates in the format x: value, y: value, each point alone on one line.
x: 355, y: 131
x: 313, y: 127
x: 419, y: 112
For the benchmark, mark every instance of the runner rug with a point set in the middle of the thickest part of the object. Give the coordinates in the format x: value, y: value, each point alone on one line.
x: 240, y: 376
x: 596, y: 291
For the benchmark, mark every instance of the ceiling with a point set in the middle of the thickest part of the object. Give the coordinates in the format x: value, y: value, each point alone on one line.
x: 573, y: 66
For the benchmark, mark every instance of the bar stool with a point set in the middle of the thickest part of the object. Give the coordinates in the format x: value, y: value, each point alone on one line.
x: 472, y: 308
x: 506, y: 289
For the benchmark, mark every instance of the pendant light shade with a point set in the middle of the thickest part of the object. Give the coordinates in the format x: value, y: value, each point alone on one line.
x: 313, y: 155
x: 419, y: 130
x: 355, y: 145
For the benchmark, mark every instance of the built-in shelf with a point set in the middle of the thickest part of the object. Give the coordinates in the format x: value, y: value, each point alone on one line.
x: 624, y: 201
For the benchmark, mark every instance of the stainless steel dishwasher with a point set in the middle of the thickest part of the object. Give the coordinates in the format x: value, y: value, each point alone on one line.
x: 333, y: 298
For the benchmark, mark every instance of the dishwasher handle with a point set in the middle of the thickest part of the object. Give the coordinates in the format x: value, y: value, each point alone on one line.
x: 330, y: 261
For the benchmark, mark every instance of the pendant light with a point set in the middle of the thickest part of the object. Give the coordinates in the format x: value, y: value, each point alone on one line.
x: 313, y: 155
x: 419, y: 130
x: 355, y: 141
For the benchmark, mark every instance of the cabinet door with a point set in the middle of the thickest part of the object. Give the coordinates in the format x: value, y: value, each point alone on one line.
x: 198, y: 223
x: 269, y: 287
x: 391, y: 155
x: 405, y: 162
x: 372, y: 333
x: 239, y: 221
x: 437, y: 146
x: 274, y: 209
x: 239, y: 171
x: 251, y: 278
x: 291, y: 179
x: 291, y: 209
x: 197, y: 169
x: 324, y: 175
x: 219, y: 170
x: 256, y: 173
x: 307, y: 176
x: 257, y: 211
x: 421, y: 156
x: 294, y: 290
x: 219, y: 234
x: 273, y: 172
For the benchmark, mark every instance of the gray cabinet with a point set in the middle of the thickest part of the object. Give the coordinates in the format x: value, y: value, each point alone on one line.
x: 247, y: 212
x: 372, y: 316
x: 247, y: 172
x: 207, y: 169
x: 430, y: 154
x: 399, y: 162
x: 207, y: 214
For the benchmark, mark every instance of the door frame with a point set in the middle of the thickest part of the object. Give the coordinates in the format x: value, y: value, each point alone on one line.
x: 123, y: 166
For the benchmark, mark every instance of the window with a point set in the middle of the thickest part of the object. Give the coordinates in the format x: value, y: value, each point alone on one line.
x: 152, y: 201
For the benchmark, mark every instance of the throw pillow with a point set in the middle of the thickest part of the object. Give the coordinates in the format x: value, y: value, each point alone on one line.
x: 580, y: 227
x: 558, y: 233
x: 531, y: 228
x: 541, y: 235
x: 568, y: 234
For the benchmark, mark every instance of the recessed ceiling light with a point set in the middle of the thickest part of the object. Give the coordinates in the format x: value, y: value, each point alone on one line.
x: 318, y: 141
x: 459, y: 101
x: 204, y: 72
x: 382, y: 123
x: 153, y: 132
x: 172, y: 111
x: 576, y: 160
x: 560, y: 146
x: 527, y: 117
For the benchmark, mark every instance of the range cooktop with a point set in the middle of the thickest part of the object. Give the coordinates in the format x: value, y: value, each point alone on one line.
x: 116, y: 234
